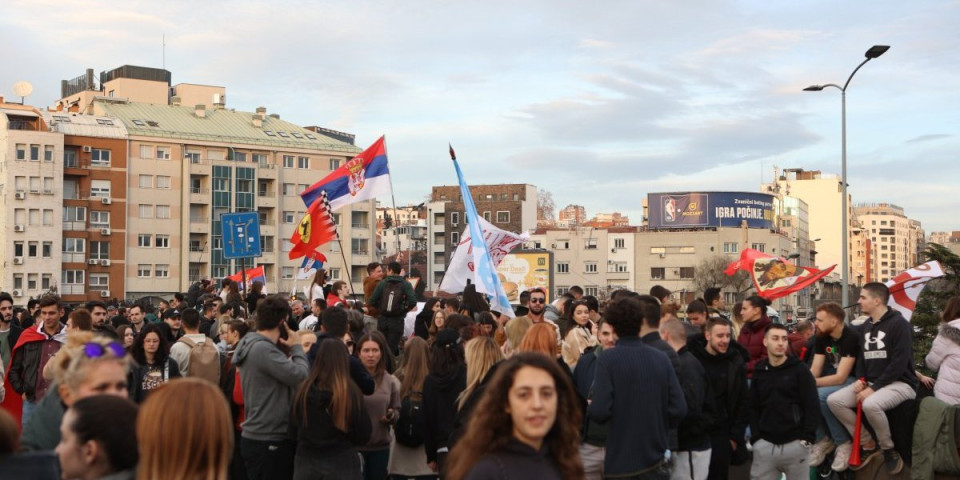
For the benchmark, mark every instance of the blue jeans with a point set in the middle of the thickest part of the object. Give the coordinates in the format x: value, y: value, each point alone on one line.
x: 829, y: 425
x: 28, y: 408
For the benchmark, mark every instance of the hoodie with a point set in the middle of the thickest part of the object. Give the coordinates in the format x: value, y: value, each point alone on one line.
x: 785, y: 403
x: 886, y: 351
x: 944, y: 357
x: 317, y: 436
x: 751, y: 337
x: 727, y: 381
x: 440, y: 409
x: 268, y: 379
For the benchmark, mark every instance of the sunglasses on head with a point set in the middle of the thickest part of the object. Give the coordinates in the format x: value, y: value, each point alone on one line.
x: 538, y: 300
x: 96, y: 350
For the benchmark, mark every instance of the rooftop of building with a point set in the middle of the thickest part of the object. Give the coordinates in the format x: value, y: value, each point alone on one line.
x: 544, y: 230
x: 216, y: 125
x: 85, y: 125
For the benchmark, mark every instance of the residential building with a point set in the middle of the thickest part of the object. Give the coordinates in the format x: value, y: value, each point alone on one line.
x: 896, y: 240
x: 606, y: 220
x: 31, y: 202
x: 944, y: 238
x: 401, y: 215
x: 404, y: 238
x: 436, y: 243
x: 600, y: 260
x: 571, y: 216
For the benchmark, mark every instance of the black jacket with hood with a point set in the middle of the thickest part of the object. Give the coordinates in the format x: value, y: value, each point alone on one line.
x: 727, y: 378
x: 886, y: 351
x: 785, y: 402
x: 440, y: 409
x: 694, y: 430
x: 317, y: 436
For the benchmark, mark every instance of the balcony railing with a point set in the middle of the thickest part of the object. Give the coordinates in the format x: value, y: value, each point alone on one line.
x: 198, y: 219
x: 360, y: 252
x: 360, y: 225
x: 74, y: 226
x: 197, y: 190
x: 74, y: 257
x: 72, y: 289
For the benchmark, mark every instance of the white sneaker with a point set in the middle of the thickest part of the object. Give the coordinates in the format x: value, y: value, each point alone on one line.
x: 841, y: 458
x: 820, y: 450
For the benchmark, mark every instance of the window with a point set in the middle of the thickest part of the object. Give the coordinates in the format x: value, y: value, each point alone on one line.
x: 590, y: 267
x: 163, y: 211
x: 143, y: 270
x: 334, y: 274
x: 561, y: 289
x: 163, y: 153
x: 21, y: 151
x: 503, y: 217
x: 454, y: 238
x: 760, y: 247
x: 562, y: 245
x: 283, y: 134
x: 145, y: 211
x: 686, y: 273
x: 35, y: 153
x: 45, y: 281
x: 104, y: 121
x: 163, y: 181
x: 657, y: 273
x: 48, y: 217
x: 454, y: 218
x: 288, y: 161
x: 17, y: 249
x: 146, y: 151
x: 286, y: 272
x: 17, y: 280
x: 503, y: 197
x: 46, y: 250
x: 621, y: 267
x: 72, y: 277
x: 591, y: 290
x: 688, y: 250
x: 239, y: 156
x: 334, y: 163
x: 99, y: 281
x: 358, y: 246
x: 163, y: 241
x: 289, y: 189
x: 303, y: 162
x: 310, y: 136
x: 74, y: 245
x: 193, y: 157
x: 34, y: 214
x: 563, y: 267
x: 143, y: 240
x: 100, y: 188
x: 48, y: 153
x: 162, y: 271
x: 590, y: 243
x: 619, y: 243
x: 31, y: 281
x: 100, y: 157
x: 289, y: 216
x: 99, y: 219
x: 146, y: 181
x: 100, y: 250
x: 260, y: 159
x: 487, y: 216
x: 32, y: 249
x: 731, y: 247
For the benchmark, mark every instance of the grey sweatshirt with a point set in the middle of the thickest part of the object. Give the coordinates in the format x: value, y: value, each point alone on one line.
x: 269, y: 380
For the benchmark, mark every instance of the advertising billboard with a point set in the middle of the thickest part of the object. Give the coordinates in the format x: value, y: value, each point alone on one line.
x: 525, y: 269
x: 711, y: 209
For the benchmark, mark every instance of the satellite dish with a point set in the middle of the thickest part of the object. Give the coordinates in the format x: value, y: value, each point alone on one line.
x: 22, y: 89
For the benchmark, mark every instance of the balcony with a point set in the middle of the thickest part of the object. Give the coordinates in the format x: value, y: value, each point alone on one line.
x: 360, y: 252
x: 615, y: 275
x: 200, y: 195
x: 199, y: 166
x: 268, y: 230
x: 76, y: 166
x: 199, y: 224
x: 267, y: 200
x: 68, y: 257
x: 197, y: 256
x: 72, y: 289
x: 267, y: 170
x: 74, y: 226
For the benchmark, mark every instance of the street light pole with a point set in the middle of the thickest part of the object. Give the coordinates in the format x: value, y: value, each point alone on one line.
x: 874, y: 52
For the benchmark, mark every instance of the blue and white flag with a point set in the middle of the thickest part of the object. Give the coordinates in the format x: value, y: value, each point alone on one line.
x: 311, y: 263
x: 485, y: 272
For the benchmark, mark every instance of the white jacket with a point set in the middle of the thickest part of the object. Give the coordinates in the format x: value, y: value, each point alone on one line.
x: 944, y: 357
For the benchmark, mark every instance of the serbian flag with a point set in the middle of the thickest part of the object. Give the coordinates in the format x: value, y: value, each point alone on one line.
x: 484, y: 271
x: 255, y: 274
x: 775, y: 277
x: 315, y: 229
x: 905, y: 288
x: 311, y: 263
x: 364, y: 177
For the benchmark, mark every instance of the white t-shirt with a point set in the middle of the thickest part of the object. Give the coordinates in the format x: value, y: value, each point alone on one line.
x: 308, y: 323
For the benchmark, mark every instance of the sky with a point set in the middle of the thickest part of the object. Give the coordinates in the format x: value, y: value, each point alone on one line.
x: 598, y: 103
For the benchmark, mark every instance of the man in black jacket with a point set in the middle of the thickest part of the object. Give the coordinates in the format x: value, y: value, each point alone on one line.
x: 593, y: 447
x: 9, y: 333
x: 885, y: 361
x: 393, y: 310
x: 785, y: 413
x: 727, y: 374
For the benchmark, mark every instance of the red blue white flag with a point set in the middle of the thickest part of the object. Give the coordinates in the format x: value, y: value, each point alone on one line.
x: 364, y: 177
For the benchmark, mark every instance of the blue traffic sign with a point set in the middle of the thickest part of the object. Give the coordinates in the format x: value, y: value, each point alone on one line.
x: 241, y: 235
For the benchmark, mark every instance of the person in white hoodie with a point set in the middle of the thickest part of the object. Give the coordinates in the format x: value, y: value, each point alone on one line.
x: 944, y: 355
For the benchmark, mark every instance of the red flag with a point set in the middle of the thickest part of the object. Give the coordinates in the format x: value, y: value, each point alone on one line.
x: 775, y: 277
x: 315, y: 229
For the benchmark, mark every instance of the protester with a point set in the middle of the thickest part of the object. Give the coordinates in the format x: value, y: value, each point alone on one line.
x: 136, y: 319
x: 127, y: 336
x: 230, y: 384
x: 329, y: 419
x: 254, y: 296
x: 339, y: 292
x: 310, y: 321
x: 439, y: 320
x: 736, y: 320
x: 9, y: 331
x: 315, y: 289
x: 370, y: 282
x: 98, y: 439
x: 153, y: 365
x: 580, y: 337
x: 785, y: 411
x: 441, y: 389
x: 424, y: 319
x: 268, y: 379
x: 716, y: 306
x: 79, y: 320
x: 407, y: 453
x: 517, y: 427
x: 35, y: 347
x: 196, y: 350
x: 333, y: 326
x: 650, y: 327
x: 696, y: 317
x: 171, y: 325
x: 944, y: 355
x: 887, y: 380
x: 482, y: 356
x: 754, y: 312
x: 382, y: 405
x: 594, y: 438
x: 801, y: 335
x: 394, y: 297
x: 87, y: 366
x: 175, y: 446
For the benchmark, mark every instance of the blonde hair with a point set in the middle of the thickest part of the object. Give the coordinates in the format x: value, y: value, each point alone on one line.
x: 481, y: 354
x: 69, y: 367
x: 175, y: 446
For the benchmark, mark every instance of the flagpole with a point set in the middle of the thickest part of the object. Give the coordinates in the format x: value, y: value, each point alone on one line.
x: 346, y: 266
x: 392, y: 197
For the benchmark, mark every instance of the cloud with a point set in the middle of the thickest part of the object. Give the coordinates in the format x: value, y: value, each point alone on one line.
x: 930, y: 137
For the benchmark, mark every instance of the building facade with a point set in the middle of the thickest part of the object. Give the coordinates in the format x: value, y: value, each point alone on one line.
x: 571, y: 216
x: 896, y: 241
x: 600, y: 260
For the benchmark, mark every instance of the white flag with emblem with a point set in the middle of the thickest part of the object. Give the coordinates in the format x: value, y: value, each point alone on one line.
x: 905, y: 288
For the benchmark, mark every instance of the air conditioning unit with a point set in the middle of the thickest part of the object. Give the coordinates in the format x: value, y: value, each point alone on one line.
x: 17, y: 292
x: 104, y: 231
x: 105, y: 263
x: 663, y: 255
x: 106, y: 201
x: 18, y: 260
x: 613, y: 250
x: 19, y: 228
x: 93, y: 261
x: 87, y: 149
x: 104, y: 293
x: 20, y: 195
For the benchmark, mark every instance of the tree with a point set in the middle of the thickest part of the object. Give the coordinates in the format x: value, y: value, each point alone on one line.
x: 709, y: 273
x: 546, y: 215
x: 926, y: 316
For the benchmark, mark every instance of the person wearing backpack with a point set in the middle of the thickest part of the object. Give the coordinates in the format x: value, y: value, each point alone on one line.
x: 394, y: 297
x: 195, y: 353
x: 408, y: 458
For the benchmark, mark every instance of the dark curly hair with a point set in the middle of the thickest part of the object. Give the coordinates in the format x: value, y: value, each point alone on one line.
x: 491, y: 427
x: 136, y: 350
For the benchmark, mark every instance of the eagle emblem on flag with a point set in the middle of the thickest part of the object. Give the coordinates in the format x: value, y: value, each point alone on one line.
x: 356, y: 178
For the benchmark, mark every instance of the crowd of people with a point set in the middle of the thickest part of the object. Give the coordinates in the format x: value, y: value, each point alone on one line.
x: 219, y: 384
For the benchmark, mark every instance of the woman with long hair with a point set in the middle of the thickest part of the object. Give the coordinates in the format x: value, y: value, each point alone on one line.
x: 153, y: 367
x: 86, y: 365
x: 515, y: 428
x: 482, y: 356
x: 407, y: 461
x: 231, y: 293
x: 329, y: 419
x: 126, y: 335
x: 580, y: 336
x: 944, y: 356
x: 175, y: 446
x: 315, y: 289
x: 437, y: 324
x: 382, y: 406
x: 736, y: 319
x: 99, y: 439
x: 254, y: 296
x: 421, y: 326
x: 441, y: 388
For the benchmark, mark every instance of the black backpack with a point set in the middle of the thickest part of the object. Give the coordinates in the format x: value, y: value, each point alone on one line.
x: 392, y: 299
x: 409, y: 428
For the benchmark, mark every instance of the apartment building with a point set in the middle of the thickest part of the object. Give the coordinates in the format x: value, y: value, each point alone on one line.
x: 571, y: 216
x: 896, y: 240
x: 600, y: 260
x: 31, y: 166
x: 436, y: 217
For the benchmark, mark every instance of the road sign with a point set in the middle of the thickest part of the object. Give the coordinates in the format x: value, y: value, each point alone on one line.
x: 241, y: 235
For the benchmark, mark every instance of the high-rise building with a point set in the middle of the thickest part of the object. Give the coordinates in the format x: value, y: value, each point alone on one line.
x: 895, y: 240
x: 944, y: 238
x: 571, y: 216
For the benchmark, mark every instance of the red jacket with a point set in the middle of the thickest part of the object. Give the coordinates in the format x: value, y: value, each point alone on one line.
x: 751, y: 337
x: 12, y: 401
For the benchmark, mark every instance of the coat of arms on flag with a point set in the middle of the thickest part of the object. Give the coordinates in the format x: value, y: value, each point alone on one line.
x: 775, y: 277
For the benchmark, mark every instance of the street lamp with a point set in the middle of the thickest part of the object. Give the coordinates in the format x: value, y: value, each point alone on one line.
x: 874, y: 52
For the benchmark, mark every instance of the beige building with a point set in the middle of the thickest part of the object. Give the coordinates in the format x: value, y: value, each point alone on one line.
x: 571, y: 216
x: 31, y: 202
x: 896, y: 241
x: 600, y: 260
x: 436, y: 243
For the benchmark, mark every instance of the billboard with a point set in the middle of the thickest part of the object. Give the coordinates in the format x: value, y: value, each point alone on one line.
x: 525, y: 269
x: 711, y: 209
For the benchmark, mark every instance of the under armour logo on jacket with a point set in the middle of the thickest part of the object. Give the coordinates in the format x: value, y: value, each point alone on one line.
x: 878, y: 341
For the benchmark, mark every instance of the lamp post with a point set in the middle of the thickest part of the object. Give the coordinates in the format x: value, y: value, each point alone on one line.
x: 874, y: 52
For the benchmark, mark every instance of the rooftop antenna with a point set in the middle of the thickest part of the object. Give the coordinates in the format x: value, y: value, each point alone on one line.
x: 22, y: 89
